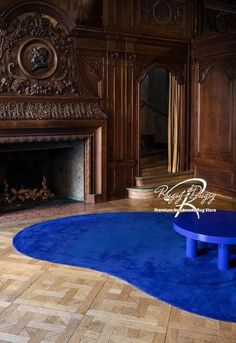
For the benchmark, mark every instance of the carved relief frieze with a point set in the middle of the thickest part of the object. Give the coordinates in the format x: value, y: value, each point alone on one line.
x: 218, y: 21
x: 34, y: 25
x: 50, y: 110
x: 162, y: 12
x: 36, y: 138
x: 37, y: 58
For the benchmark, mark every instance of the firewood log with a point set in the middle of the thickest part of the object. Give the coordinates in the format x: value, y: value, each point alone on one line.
x: 23, y: 191
x: 21, y: 197
x: 13, y: 190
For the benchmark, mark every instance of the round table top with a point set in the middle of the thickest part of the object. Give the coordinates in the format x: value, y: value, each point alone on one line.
x: 213, y: 227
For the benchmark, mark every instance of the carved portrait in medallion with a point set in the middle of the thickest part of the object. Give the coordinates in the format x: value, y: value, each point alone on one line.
x: 37, y: 58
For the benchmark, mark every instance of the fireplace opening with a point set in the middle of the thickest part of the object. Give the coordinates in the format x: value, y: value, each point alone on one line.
x: 39, y: 174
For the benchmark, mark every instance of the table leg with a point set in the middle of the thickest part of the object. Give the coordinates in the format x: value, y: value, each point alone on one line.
x: 223, y: 256
x: 191, y: 247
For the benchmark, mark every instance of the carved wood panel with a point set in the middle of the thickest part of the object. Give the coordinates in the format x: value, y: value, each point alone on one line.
x: 214, y: 125
x: 28, y: 110
x: 103, y: 70
x: 216, y: 113
x: 162, y: 12
x: 219, y: 21
x: 37, y: 56
x: 122, y: 98
x: 165, y: 17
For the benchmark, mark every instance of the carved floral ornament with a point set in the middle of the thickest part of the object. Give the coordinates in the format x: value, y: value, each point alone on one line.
x: 50, y: 110
x: 219, y: 21
x: 162, y: 12
x: 37, y: 58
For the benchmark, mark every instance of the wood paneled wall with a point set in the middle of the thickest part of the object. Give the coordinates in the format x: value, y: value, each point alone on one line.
x: 214, y: 111
x: 213, y: 106
x: 117, y: 41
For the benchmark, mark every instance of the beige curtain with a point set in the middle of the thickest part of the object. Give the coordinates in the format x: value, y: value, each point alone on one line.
x: 175, y: 104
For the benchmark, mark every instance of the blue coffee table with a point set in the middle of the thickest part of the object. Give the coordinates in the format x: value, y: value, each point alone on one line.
x: 216, y: 227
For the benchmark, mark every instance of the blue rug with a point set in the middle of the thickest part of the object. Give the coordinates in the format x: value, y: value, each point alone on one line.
x: 141, y: 248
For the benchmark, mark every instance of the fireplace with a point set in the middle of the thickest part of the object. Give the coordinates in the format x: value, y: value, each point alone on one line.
x: 41, y: 172
x: 53, y: 131
x: 69, y: 156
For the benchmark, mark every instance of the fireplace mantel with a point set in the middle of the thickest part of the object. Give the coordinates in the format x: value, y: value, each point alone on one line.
x: 43, y: 96
x: 92, y: 131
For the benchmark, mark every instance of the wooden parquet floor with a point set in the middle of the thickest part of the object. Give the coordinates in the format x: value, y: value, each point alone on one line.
x: 45, y: 302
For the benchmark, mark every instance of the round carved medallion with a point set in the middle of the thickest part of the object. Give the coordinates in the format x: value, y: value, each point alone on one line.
x: 37, y: 58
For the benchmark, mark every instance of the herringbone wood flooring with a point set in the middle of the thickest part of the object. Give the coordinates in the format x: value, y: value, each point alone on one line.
x: 45, y: 302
